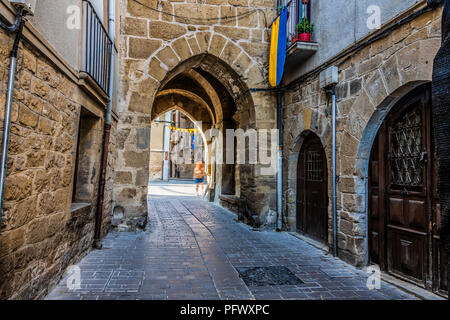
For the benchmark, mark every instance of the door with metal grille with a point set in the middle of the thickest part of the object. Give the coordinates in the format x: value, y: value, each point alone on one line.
x: 403, y: 198
x: 407, y: 191
x: 312, y: 195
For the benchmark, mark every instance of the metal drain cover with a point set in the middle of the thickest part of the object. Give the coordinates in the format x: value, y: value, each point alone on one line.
x: 268, y: 276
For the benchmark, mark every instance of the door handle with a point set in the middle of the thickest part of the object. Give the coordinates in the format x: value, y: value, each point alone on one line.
x: 424, y: 157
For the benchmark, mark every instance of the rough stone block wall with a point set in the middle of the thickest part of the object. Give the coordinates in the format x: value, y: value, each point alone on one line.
x: 187, y: 171
x: 370, y: 82
x: 109, y: 180
x: 40, y: 235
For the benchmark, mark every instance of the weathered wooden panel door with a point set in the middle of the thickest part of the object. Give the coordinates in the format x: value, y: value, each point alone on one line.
x: 376, y: 199
x: 407, y: 195
x: 403, y: 200
x: 312, y: 194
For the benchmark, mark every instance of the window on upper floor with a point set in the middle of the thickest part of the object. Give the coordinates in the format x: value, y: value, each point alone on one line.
x: 97, y: 44
x: 300, y: 13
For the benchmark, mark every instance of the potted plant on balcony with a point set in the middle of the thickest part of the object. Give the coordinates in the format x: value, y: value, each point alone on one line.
x: 305, y: 30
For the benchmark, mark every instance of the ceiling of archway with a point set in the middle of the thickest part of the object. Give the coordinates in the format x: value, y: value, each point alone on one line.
x: 185, y: 82
x: 184, y: 101
x: 195, y: 86
x: 175, y: 99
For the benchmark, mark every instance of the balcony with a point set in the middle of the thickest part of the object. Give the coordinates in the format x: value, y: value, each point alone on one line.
x: 97, y: 49
x: 298, y: 50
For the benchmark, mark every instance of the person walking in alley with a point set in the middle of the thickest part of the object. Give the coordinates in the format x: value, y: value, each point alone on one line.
x: 199, y: 176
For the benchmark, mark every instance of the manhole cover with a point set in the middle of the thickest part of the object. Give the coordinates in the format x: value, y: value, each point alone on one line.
x: 268, y: 276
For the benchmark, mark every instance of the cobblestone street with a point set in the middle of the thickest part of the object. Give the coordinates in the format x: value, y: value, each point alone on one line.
x: 194, y: 250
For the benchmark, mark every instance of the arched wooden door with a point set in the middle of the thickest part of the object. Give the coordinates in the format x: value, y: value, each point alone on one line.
x: 312, y: 194
x: 403, y: 200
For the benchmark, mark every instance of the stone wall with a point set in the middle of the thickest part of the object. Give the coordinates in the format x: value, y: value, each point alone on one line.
x: 41, y: 234
x: 370, y: 82
x: 156, y: 165
x: 227, y: 39
x: 156, y: 150
x: 109, y: 180
x: 352, y: 22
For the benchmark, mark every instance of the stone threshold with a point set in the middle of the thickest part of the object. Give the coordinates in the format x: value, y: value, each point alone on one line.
x: 76, y: 206
x: 310, y: 241
x: 405, y: 286
x: 410, y: 288
x: 229, y: 202
x: 399, y: 283
x: 230, y: 199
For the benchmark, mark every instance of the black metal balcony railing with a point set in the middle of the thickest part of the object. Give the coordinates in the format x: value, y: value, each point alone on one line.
x: 97, y: 48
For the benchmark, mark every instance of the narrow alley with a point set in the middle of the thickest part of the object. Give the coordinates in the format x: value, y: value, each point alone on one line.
x: 193, y: 249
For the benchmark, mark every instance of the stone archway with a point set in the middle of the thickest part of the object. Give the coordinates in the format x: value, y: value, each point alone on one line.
x: 374, y: 123
x: 365, y: 146
x: 381, y: 203
x: 311, y: 213
x: 292, y: 172
x: 401, y: 72
x: 354, y: 146
x: 211, y: 90
x: 402, y: 191
x: 178, y: 141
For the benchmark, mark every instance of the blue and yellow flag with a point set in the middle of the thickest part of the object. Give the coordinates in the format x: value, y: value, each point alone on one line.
x: 278, y: 49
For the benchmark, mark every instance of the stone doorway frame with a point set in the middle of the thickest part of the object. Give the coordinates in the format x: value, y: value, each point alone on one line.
x: 307, y: 137
x: 293, y: 176
x: 366, y: 143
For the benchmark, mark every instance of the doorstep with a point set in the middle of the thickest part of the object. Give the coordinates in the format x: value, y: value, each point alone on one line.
x: 401, y: 284
x: 410, y: 288
x: 314, y: 243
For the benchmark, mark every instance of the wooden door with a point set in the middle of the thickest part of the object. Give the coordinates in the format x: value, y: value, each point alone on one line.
x: 407, y: 196
x: 403, y: 200
x: 376, y: 199
x: 312, y: 193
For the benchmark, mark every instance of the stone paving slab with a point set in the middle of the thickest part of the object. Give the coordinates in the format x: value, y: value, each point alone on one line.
x: 192, y: 250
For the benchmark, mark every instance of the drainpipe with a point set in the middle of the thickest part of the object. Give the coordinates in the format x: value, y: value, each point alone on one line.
x: 280, y: 161
x: 107, y: 131
x: 17, y: 26
x: 166, y: 146
x: 333, y: 94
